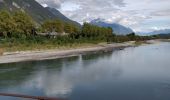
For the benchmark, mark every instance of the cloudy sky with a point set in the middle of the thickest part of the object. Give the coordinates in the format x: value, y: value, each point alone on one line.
x: 140, y: 15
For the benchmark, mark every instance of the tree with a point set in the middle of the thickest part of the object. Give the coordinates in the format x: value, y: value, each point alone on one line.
x: 109, y: 35
x: 96, y: 32
x: 85, y: 29
x: 48, y: 26
x: 59, y: 26
x: 7, y: 24
x: 53, y: 26
x: 131, y: 36
x: 24, y: 23
x: 68, y: 28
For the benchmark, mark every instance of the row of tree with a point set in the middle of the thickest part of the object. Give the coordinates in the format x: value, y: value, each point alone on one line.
x: 93, y: 31
x: 58, y: 26
x: 19, y: 24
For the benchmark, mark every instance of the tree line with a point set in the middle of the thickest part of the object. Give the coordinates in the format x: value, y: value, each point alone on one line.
x: 20, y: 25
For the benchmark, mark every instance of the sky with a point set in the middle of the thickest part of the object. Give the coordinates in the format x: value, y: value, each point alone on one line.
x: 140, y: 15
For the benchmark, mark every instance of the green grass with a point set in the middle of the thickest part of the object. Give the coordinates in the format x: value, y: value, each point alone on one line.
x: 41, y: 43
x: 37, y: 47
x: 141, y: 42
x: 1, y: 51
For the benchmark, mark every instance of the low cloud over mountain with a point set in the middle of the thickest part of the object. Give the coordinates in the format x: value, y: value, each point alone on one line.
x: 117, y: 28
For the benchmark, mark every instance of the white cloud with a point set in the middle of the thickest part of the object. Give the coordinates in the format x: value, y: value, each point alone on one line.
x: 44, y: 5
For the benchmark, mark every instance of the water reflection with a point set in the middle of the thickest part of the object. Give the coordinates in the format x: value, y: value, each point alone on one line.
x: 140, y: 73
x: 72, y: 73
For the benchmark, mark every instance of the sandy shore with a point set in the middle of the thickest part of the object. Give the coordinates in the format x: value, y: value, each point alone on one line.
x: 9, y: 57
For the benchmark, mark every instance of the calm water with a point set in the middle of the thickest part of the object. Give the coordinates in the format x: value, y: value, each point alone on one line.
x: 136, y: 73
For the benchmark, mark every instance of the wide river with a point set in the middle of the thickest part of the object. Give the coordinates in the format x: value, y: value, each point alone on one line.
x: 134, y: 73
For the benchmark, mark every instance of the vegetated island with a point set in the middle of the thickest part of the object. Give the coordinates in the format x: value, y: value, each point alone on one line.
x: 23, y: 39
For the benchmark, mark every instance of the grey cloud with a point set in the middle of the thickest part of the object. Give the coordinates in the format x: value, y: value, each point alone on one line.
x: 51, y: 3
x: 119, y: 3
x: 161, y: 13
x: 130, y: 13
x: 88, y: 9
x: 102, y: 3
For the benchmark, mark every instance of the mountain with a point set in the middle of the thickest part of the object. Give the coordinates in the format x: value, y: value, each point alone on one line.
x: 163, y: 31
x: 156, y: 32
x: 117, y: 28
x: 60, y: 15
x: 34, y: 9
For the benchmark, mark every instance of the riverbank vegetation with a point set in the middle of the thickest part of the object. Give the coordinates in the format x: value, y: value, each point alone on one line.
x: 19, y: 32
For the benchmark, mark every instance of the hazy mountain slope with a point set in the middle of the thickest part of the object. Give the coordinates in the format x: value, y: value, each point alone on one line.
x: 117, y: 28
x: 61, y: 16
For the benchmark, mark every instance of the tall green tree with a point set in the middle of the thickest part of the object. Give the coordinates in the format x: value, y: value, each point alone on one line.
x: 93, y: 31
x: 48, y: 26
x: 59, y: 26
x: 53, y: 26
x: 131, y: 36
x: 7, y: 24
x: 68, y: 28
x: 24, y: 23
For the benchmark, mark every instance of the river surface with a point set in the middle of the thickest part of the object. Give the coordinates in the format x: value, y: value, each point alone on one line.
x: 134, y: 73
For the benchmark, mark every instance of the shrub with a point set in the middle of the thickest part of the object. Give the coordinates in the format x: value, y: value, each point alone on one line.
x: 1, y: 51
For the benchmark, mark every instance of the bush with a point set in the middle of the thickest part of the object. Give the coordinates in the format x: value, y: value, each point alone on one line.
x: 1, y: 51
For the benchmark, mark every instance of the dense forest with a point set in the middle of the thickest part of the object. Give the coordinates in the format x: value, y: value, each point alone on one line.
x: 18, y: 30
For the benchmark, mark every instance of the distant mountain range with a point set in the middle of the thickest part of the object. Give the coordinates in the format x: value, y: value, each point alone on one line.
x: 117, y: 28
x: 162, y: 31
x: 35, y: 10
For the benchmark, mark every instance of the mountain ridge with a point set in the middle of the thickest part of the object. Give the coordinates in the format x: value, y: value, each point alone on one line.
x: 156, y: 32
x: 34, y: 9
x: 60, y: 15
x: 162, y: 31
x: 117, y: 28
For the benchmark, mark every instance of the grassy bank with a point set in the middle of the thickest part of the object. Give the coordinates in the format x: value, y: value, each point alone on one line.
x: 141, y: 42
x: 35, y: 43
x: 43, y: 43
x: 1, y: 51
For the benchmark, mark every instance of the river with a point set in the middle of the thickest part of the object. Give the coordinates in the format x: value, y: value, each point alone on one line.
x: 134, y: 73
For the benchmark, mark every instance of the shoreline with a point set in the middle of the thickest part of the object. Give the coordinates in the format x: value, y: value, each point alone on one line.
x: 12, y: 57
